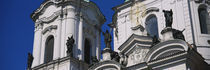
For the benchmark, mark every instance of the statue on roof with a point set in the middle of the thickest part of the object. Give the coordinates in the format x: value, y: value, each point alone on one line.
x: 107, y: 39
x: 168, y: 17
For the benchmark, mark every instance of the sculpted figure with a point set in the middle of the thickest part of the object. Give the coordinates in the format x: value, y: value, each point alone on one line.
x: 168, y: 17
x: 107, y: 39
x: 30, y: 60
x: 70, y: 44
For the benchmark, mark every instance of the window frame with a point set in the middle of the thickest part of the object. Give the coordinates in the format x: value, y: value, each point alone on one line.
x: 146, y: 20
x: 202, y: 7
x: 49, y: 51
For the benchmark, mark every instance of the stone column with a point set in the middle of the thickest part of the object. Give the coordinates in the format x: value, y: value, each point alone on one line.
x: 37, y: 44
x: 80, y: 40
x: 58, y: 39
x: 69, y: 26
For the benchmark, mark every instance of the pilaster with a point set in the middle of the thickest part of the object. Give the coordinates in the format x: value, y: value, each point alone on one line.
x: 37, y: 44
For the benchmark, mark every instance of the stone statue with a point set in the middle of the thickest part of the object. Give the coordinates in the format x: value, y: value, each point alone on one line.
x: 115, y: 56
x: 70, y: 44
x: 107, y: 39
x: 168, y: 17
x: 30, y: 60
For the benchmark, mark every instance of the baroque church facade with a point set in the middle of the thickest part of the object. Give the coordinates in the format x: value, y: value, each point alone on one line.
x: 148, y: 35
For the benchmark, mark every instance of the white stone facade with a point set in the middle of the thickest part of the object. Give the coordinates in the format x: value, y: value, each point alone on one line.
x: 63, y: 19
x: 185, y: 16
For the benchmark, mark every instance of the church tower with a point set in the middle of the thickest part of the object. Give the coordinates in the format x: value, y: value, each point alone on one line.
x: 56, y: 21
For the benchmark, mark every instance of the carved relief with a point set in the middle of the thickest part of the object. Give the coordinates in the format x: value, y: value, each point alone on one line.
x: 139, y: 54
x: 49, y: 28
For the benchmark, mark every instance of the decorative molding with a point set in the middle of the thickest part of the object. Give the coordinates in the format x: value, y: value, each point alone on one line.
x: 35, y: 15
x: 132, y: 41
x: 138, y: 27
x: 51, y: 18
x: 151, y: 9
x: 138, y: 54
x: 49, y: 28
x: 158, y: 50
x: 58, y: 61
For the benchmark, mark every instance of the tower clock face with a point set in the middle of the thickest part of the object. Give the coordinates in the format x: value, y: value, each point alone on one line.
x: 137, y: 12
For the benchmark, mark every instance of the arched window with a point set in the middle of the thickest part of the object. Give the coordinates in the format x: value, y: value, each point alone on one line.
x: 204, y: 20
x: 49, y: 47
x: 152, y: 26
x: 87, y: 51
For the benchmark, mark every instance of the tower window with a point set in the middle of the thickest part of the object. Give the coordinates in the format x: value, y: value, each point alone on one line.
x: 204, y: 20
x: 87, y: 51
x: 152, y: 26
x: 49, y: 47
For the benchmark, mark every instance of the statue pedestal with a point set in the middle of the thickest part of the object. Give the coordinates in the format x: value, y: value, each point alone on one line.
x: 106, y: 54
x: 167, y: 34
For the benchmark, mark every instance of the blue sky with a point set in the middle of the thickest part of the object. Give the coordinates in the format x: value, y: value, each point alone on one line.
x: 17, y: 29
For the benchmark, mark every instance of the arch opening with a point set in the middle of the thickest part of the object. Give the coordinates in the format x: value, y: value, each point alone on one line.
x: 49, y: 49
x: 152, y: 26
x: 204, y: 19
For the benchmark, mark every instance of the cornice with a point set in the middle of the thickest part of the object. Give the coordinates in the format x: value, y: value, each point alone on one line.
x: 132, y: 40
x: 176, y: 44
x: 57, y: 61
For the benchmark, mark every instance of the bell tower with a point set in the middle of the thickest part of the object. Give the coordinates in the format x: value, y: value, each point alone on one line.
x: 59, y: 21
